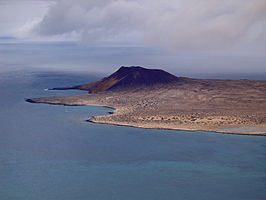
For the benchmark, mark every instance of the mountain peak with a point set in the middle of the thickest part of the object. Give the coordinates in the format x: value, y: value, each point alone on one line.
x: 131, y: 68
x: 130, y: 77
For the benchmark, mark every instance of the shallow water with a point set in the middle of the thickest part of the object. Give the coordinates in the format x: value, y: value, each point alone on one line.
x: 50, y: 152
x: 245, y: 129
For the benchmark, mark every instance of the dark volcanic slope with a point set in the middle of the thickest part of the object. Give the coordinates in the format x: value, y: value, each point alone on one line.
x: 128, y: 77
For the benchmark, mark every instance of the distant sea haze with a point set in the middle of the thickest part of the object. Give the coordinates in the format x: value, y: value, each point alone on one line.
x: 103, y: 60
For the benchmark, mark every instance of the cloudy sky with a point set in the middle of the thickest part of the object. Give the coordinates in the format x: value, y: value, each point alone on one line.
x: 181, y: 24
x: 233, y: 27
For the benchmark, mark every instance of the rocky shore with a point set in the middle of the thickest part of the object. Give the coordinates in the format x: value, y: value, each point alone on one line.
x: 198, y: 104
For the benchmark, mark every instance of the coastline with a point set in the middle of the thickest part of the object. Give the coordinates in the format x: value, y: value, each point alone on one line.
x: 263, y: 133
x: 93, y: 119
x: 235, y: 106
x: 177, y: 129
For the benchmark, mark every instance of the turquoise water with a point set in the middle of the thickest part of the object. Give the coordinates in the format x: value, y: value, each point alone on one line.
x: 50, y: 152
x: 244, y: 129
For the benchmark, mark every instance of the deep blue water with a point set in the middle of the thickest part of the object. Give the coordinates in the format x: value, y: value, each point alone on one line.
x: 50, y: 152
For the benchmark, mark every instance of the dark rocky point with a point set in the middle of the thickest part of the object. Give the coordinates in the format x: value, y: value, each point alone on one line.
x: 131, y: 77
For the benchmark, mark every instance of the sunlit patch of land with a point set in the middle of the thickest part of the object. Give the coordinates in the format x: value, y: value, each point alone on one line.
x: 191, y: 104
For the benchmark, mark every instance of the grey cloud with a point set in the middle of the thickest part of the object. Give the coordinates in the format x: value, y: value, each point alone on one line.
x: 182, y: 24
x: 18, y: 17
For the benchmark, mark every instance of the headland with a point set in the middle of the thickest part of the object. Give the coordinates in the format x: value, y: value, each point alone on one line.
x: 153, y: 98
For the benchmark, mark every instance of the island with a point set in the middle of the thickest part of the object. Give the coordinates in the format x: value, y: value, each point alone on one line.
x: 154, y: 98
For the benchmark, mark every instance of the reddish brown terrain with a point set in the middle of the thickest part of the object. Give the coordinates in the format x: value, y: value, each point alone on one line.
x: 156, y: 99
x: 129, y: 77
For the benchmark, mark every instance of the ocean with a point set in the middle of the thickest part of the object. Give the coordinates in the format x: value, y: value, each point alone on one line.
x: 49, y: 152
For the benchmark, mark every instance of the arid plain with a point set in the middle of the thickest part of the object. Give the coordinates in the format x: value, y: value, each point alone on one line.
x: 226, y: 106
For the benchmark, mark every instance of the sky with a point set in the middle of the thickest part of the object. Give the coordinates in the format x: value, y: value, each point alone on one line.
x: 234, y: 30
